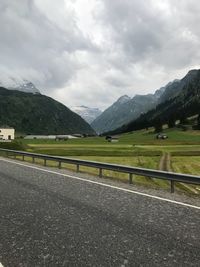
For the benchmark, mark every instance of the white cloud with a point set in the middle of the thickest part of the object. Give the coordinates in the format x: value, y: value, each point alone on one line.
x: 93, y: 51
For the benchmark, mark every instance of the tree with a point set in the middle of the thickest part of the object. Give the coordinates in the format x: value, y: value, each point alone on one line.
x: 198, y: 122
x: 171, y: 122
x: 183, y: 118
x: 158, y: 126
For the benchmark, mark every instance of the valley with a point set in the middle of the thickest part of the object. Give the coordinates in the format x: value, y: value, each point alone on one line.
x: 140, y: 148
x: 99, y: 133
x: 135, y: 124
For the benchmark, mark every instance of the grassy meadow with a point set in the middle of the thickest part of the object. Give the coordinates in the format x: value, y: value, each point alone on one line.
x: 140, y: 148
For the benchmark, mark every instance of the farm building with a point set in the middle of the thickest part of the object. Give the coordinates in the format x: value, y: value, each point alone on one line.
x: 50, y: 137
x: 113, y: 139
x: 7, y: 133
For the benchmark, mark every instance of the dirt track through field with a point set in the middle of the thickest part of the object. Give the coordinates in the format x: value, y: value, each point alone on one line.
x: 165, y: 162
x: 165, y: 165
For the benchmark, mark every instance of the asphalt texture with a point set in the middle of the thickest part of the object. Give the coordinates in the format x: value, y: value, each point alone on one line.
x: 47, y: 219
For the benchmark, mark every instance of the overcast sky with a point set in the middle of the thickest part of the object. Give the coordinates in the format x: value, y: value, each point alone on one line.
x: 90, y: 52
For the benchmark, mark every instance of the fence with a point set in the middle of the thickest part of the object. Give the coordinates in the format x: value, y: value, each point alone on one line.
x: 170, y: 176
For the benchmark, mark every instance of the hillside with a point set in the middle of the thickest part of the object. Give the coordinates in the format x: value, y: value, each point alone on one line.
x: 124, y: 110
x: 112, y: 116
x: 127, y: 109
x: 38, y: 114
x: 184, y: 103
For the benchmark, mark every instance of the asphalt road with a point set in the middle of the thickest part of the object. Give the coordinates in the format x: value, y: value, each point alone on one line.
x: 48, y: 219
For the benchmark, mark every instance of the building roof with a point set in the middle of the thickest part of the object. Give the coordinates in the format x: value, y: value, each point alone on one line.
x: 114, y: 136
x: 5, y: 127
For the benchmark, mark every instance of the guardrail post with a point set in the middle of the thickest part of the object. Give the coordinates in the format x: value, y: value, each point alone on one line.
x: 171, y: 177
x: 77, y: 168
x: 172, y: 186
x: 100, y: 173
x: 59, y: 165
x: 130, y: 178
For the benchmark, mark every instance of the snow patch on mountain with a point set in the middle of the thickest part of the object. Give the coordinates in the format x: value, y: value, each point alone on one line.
x: 87, y: 113
x: 19, y: 85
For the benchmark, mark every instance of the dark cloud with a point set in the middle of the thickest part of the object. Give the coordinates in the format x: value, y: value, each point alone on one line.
x: 165, y: 32
x: 135, y: 26
x: 34, y: 46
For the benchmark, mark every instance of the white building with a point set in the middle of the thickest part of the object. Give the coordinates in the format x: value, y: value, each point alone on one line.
x: 51, y: 137
x: 7, y: 133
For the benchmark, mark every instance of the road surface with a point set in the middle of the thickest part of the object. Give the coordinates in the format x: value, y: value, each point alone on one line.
x: 48, y: 218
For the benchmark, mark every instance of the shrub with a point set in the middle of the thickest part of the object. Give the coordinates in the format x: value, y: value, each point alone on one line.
x: 15, y: 145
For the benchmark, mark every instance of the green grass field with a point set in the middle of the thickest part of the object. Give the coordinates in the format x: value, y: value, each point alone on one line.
x: 140, y: 148
x: 143, y: 137
x: 187, y: 165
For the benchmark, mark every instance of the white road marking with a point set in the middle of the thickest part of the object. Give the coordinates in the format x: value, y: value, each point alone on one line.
x: 1, y: 265
x: 105, y: 185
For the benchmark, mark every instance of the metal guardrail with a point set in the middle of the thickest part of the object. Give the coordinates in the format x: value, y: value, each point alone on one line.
x: 170, y: 176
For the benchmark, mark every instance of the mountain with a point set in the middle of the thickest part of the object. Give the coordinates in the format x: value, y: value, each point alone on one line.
x: 88, y: 114
x: 122, y: 100
x: 38, y: 114
x: 124, y: 110
x: 27, y: 87
x: 19, y: 85
x: 180, y: 100
x: 112, y: 116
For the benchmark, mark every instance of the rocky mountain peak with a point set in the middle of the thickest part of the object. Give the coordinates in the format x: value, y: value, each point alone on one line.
x: 18, y: 84
x: 123, y: 99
